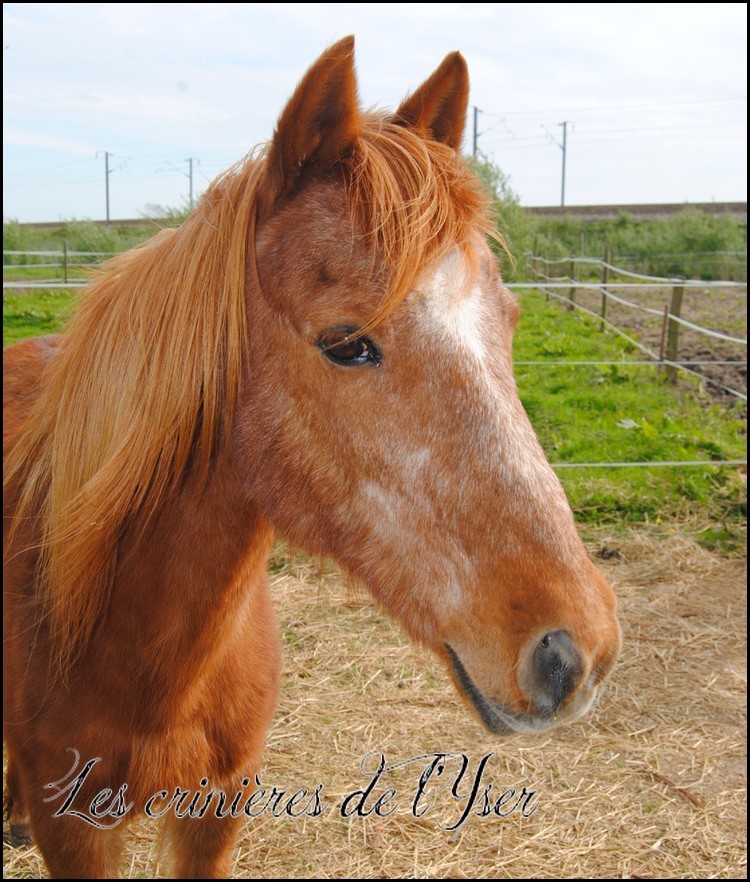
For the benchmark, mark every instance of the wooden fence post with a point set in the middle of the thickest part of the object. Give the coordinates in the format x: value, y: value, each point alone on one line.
x: 605, y: 279
x: 663, y: 340
x: 65, y: 261
x: 673, y: 332
x: 575, y: 272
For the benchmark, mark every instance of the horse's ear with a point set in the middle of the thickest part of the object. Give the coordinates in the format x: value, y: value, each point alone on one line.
x: 319, y: 125
x: 438, y: 107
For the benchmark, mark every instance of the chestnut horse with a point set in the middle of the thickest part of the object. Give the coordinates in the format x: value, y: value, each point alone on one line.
x: 322, y: 350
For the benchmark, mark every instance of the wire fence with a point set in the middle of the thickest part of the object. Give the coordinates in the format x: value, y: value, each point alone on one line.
x: 646, y: 258
x: 568, y: 288
x: 69, y: 269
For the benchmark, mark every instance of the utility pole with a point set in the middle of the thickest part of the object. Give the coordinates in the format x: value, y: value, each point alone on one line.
x: 106, y: 180
x: 475, y: 149
x: 188, y: 174
x: 190, y: 164
x: 107, y: 154
x: 564, y: 151
x: 564, y: 148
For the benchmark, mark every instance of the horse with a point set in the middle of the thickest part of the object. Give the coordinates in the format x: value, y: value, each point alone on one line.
x: 322, y: 352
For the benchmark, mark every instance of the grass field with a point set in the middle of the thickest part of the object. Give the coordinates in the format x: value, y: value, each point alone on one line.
x: 626, y: 412
x: 31, y: 314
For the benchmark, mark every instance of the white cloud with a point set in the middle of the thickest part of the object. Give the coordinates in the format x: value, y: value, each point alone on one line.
x: 20, y: 138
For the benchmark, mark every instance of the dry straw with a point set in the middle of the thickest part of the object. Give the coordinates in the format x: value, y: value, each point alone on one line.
x: 651, y: 785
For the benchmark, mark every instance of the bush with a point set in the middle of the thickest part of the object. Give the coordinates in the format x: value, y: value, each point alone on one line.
x: 690, y: 244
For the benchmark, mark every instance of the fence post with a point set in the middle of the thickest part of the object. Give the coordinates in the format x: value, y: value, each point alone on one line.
x: 673, y: 333
x: 605, y: 279
x: 663, y: 341
x: 65, y: 261
x: 575, y: 272
x: 534, y: 253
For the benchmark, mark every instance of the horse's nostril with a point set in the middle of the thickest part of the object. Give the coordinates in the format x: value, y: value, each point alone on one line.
x: 557, y: 668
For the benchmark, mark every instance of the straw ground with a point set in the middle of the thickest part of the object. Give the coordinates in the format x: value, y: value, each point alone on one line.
x: 652, y: 784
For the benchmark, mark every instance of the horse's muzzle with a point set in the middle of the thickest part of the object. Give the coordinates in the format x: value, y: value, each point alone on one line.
x: 556, y: 669
x: 552, y: 679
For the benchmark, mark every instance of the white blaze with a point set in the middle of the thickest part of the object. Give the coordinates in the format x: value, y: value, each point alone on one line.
x: 452, y: 307
x: 454, y: 318
x: 455, y: 311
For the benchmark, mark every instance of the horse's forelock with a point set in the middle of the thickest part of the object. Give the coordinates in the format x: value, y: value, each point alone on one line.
x: 416, y: 200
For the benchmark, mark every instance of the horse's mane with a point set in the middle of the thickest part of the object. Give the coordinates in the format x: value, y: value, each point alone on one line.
x: 144, y: 387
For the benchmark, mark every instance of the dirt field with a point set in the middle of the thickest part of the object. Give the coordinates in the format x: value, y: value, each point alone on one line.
x: 652, y: 784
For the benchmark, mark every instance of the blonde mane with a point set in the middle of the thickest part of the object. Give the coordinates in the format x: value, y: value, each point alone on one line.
x: 145, y: 384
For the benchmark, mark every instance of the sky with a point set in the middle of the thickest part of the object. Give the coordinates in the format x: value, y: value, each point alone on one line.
x: 148, y: 97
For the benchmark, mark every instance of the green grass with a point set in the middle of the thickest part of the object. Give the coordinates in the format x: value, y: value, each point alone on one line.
x: 33, y: 313
x: 29, y: 273
x: 626, y: 413
x: 583, y: 414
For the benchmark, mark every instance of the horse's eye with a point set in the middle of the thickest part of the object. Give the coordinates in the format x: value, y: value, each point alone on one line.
x: 343, y: 346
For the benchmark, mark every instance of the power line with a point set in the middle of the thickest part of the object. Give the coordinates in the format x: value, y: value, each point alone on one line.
x: 654, y: 106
